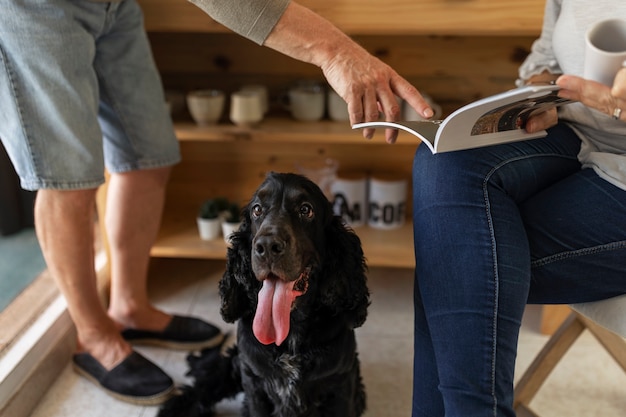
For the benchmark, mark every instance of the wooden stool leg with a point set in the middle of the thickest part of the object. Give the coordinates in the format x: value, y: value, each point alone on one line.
x: 612, y: 342
x: 546, y: 361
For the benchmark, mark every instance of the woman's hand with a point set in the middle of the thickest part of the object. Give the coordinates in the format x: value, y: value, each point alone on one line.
x: 542, y: 121
x: 608, y: 100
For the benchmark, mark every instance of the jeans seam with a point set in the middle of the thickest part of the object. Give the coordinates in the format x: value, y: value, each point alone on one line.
x: 495, y: 263
x: 578, y: 252
x: 496, y: 289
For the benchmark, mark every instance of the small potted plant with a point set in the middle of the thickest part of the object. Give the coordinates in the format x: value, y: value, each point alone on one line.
x: 208, y: 219
x: 231, y: 220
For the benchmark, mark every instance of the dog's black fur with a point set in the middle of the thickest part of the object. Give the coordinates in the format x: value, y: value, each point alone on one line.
x: 288, y: 233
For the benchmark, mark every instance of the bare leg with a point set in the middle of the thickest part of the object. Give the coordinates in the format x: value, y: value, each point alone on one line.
x: 133, y: 217
x: 65, y: 227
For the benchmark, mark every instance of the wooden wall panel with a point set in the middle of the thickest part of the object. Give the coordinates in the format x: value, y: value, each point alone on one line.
x: 454, y: 70
x: 491, y: 17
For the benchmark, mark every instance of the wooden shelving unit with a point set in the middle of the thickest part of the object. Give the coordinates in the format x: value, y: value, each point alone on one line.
x: 456, y: 51
x: 179, y: 237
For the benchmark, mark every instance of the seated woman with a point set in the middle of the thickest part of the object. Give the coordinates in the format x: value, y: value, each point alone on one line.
x: 541, y: 221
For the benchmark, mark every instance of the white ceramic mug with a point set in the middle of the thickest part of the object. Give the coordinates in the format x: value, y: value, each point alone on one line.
x: 337, y: 107
x: 387, y: 201
x: 349, y: 193
x: 605, y: 50
x: 205, y: 106
x: 262, y: 91
x: 246, y: 108
x: 408, y: 113
x: 306, y: 102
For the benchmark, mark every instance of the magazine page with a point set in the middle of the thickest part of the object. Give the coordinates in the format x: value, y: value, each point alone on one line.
x: 426, y: 130
x: 489, y: 121
x: 496, y: 119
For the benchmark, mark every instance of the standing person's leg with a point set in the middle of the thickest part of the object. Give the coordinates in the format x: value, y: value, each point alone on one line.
x: 64, y: 223
x: 133, y: 216
x: 48, y: 124
x: 473, y: 269
x: 139, y: 147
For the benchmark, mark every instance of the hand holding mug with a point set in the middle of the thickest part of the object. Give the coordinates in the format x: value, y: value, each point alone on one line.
x: 608, y: 100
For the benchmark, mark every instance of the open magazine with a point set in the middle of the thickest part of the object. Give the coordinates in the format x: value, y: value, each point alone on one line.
x: 495, y: 119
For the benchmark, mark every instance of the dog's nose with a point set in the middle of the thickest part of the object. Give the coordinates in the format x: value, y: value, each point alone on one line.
x: 269, y: 247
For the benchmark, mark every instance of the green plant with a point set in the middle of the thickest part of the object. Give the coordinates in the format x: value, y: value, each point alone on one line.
x: 210, y: 209
x: 234, y: 213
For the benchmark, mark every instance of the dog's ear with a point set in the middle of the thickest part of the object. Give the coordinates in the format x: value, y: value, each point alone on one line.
x: 238, y: 277
x: 345, y: 270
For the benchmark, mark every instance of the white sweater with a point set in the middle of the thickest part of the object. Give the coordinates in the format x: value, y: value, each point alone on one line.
x: 561, y: 50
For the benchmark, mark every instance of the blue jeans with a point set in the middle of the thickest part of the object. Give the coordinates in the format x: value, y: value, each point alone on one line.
x: 497, y: 228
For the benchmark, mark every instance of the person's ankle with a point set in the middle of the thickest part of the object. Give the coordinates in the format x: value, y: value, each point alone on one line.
x: 146, y: 319
x: 109, y: 351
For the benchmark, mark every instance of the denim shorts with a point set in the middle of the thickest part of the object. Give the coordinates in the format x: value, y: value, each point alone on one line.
x: 79, y: 91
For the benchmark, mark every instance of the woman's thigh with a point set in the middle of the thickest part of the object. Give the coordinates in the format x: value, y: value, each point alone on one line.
x: 577, y: 235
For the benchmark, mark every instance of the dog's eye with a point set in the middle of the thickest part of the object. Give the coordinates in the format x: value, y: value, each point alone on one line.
x: 306, y: 211
x: 257, y: 210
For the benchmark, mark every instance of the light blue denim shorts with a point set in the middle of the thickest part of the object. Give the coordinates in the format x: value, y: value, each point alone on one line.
x: 79, y: 91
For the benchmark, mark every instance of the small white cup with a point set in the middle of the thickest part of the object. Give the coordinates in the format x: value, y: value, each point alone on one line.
x: 337, y: 107
x: 262, y: 91
x: 408, y: 113
x: 246, y: 108
x: 350, y: 198
x: 605, y: 50
x: 205, y: 106
x: 387, y: 202
x: 306, y: 103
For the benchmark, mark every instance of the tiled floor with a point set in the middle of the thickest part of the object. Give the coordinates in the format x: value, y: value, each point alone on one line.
x: 587, y: 383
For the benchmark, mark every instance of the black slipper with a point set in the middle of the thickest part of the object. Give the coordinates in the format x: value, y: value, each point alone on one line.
x: 135, y: 380
x: 186, y: 333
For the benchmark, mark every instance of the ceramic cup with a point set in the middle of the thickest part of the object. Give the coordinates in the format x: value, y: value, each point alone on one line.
x: 387, y: 201
x: 408, y: 113
x: 262, y: 91
x: 209, y: 229
x: 337, y: 107
x: 605, y: 50
x: 246, y: 108
x: 306, y: 102
x: 349, y: 191
x: 205, y: 106
x: 322, y: 171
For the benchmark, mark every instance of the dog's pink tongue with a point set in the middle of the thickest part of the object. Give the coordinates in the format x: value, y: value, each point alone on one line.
x: 271, y: 320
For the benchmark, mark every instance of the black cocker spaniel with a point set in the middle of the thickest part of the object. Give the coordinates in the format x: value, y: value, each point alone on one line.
x: 295, y: 282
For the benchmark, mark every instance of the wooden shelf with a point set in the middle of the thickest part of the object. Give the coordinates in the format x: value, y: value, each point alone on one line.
x: 284, y: 130
x: 178, y: 238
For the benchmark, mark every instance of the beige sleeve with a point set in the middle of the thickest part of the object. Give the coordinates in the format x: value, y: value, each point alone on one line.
x: 253, y: 19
